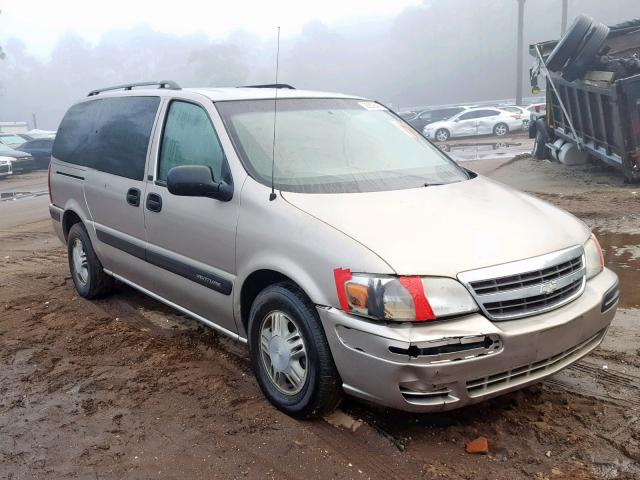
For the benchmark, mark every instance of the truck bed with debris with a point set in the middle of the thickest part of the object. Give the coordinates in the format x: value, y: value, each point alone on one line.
x: 592, y: 76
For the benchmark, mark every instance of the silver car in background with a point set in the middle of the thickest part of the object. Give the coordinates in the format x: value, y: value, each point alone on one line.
x: 351, y: 255
x: 474, y: 121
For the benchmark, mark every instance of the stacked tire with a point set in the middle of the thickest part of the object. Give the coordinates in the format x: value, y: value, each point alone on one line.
x: 578, y: 49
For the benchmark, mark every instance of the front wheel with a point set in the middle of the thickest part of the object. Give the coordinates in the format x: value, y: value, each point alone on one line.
x: 500, y: 129
x: 442, y: 135
x: 290, y: 355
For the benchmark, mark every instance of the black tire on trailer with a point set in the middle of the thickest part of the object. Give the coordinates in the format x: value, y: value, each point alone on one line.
x: 569, y: 43
x: 580, y: 64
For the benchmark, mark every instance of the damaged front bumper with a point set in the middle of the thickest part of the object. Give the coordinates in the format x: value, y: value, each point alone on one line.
x: 451, y: 363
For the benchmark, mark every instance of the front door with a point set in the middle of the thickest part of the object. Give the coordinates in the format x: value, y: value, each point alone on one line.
x: 191, y: 240
x: 466, y: 125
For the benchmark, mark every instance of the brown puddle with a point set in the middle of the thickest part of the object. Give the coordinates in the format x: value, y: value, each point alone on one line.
x: 622, y: 255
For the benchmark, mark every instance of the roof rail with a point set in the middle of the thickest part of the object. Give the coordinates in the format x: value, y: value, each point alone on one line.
x: 271, y: 85
x: 170, y: 84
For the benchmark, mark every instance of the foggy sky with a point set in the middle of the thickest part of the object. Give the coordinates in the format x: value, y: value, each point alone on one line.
x: 440, y: 52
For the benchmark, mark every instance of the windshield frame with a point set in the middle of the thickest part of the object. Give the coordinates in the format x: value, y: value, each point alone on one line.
x: 250, y: 170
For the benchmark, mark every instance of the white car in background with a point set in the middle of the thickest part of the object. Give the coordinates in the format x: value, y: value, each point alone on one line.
x: 5, y: 166
x: 475, y: 121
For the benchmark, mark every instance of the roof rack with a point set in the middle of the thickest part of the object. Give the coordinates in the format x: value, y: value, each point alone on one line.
x: 169, y: 84
x: 271, y: 85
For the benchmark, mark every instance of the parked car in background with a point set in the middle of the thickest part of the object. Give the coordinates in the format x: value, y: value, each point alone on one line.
x: 5, y: 166
x: 20, y: 161
x: 537, y: 108
x: 408, y: 116
x: 11, y: 139
x: 474, y: 121
x: 40, y: 150
x: 522, y: 111
x: 435, y: 115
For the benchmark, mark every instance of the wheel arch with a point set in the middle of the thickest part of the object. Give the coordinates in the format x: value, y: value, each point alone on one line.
x: 69, y: 219
x: 256, y: 282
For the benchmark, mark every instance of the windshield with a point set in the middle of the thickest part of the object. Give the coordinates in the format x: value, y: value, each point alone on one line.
x: 11, y: 139
x: 5, y: 149
x: 326, y: 145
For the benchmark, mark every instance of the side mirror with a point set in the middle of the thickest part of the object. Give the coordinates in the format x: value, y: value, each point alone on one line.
x: 197, y: 181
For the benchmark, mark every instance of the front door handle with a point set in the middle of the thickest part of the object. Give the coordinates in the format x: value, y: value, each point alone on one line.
x: 154, y: 202
x: 133, y: 197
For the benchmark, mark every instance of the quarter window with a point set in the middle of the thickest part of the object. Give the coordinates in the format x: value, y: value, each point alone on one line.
x: 108, y: 134
x: 190, y: 139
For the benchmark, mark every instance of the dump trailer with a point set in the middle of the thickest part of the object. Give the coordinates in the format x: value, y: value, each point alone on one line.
x: 596, y: 114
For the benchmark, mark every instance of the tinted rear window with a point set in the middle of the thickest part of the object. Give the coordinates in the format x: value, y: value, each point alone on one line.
x: 109, y: 134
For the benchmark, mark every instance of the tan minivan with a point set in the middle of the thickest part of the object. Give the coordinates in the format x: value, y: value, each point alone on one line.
x: 348, y: 252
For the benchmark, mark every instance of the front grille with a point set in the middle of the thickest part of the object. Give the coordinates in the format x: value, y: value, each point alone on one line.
x: 530, y: 304
x: 4, y: 169
x: 533, y: 371
x: 528, y: 287
x: 526, y: 279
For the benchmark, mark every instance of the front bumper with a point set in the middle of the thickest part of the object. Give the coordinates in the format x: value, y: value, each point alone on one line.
x: 23, y: 163
x: 5, y: 169
x: 448, y: 364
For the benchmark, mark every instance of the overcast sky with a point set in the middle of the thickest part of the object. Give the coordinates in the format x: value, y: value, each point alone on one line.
x: 39, y: 23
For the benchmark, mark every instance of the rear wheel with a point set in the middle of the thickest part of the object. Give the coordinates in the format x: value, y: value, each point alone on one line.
x: 86, y: 270
x: 501, y: 129
x: 289, y: 353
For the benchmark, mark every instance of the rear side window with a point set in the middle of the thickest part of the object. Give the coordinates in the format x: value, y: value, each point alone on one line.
x: 109, y: 134
x: 189, y: 139
x: 75, y: 132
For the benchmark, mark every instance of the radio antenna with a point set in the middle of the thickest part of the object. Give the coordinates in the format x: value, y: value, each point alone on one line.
x: 272, y: 196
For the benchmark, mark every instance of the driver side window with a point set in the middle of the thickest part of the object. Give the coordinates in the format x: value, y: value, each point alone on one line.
x: 467, y: 116
x: 189, y: 139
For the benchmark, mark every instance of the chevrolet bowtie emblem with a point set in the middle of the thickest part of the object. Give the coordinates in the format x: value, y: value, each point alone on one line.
x: 548, y: 287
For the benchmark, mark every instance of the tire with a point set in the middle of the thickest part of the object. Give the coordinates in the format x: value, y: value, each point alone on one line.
x: 569, y: 43
x: 540, y: 150
x: 442, y: 135
x: 501, y: 129
x: 302, y: 390
x: 581, y: 62
x: 90, y: 282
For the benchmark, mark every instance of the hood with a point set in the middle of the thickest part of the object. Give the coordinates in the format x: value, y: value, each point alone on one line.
x: 447, y: 229
x: 16, y: 154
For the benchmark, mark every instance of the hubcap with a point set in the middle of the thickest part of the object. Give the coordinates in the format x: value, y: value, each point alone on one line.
x: 501, y: 130
x: 80, y: 265
x: 283, y: 352
x: 442, y: 136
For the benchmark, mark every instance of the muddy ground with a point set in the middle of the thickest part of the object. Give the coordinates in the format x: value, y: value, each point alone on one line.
x: 125, y: 387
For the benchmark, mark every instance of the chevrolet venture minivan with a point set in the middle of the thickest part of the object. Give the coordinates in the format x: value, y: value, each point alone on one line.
x: 346, y: 251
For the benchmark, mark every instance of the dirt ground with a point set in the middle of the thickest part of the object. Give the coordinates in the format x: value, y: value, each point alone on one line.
x: 125, y: 387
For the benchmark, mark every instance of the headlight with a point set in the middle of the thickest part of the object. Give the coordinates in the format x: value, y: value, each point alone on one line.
x: 593, y: 257
x: 401, y: 298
